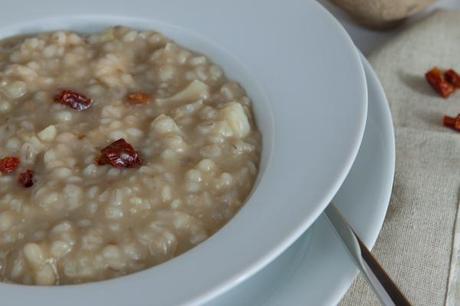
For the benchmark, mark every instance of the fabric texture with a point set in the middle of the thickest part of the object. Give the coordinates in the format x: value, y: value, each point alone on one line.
x: 416, y: 243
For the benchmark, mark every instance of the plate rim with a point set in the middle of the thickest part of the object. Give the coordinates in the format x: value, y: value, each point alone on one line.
x: 371, y: 235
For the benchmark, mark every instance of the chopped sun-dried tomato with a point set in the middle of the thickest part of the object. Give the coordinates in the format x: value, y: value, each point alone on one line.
x: 26, y: 178
x: 138, y: 98
x: 9, y: 164
x: 452, y: 122
x: 452, y: 77
x: 436, y: 79
x: 73, y: 99
x: 120, y: 154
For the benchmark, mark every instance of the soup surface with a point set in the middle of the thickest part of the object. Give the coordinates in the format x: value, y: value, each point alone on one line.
x: 118, y: 151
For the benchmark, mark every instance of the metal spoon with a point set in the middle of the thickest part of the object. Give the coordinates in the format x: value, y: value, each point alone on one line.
x: 385, y: 289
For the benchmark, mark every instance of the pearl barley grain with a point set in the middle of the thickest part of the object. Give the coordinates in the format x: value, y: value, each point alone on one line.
x: 34, y: 254
x: 5, y: 106
x: 15, y: 89
x: 64, y: 116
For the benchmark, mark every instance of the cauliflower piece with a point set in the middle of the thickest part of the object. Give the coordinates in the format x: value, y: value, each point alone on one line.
x: 237, y: 119
x: 48, y: 134
x: 164, y: 124
x: 194, y: 91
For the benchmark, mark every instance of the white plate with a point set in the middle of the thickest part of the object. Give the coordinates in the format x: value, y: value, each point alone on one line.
x: 310, y: 99
x: 316, y: 270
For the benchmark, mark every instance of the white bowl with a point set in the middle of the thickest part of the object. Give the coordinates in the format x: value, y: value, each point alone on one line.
x: 309, y: 95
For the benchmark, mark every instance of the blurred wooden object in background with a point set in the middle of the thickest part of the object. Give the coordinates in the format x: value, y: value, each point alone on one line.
x: 382, y: 14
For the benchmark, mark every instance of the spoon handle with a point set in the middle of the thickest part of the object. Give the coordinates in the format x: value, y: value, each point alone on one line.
x: 385, y: 289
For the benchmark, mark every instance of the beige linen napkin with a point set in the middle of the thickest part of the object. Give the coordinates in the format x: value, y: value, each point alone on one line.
x: 416, y: 242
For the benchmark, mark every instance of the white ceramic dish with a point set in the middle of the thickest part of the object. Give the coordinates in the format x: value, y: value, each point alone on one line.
x: 310, y: 100
x: 316, y: 269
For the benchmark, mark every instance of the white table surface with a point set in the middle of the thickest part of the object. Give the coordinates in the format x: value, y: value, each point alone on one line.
x: 366, y: 40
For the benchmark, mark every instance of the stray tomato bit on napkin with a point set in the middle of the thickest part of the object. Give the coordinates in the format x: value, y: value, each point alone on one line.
x: 452, y: 77
x: 120, y: 154
x: 437, y: 80
x: 26, y: 178
x: 9, y: 164
x: 73, y: 99
x: 452, y: 122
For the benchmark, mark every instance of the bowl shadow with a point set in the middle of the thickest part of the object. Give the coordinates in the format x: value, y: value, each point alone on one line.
x: 417, y: 83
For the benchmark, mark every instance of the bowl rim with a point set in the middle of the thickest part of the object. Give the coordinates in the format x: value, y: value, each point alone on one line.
x: 200, y: 285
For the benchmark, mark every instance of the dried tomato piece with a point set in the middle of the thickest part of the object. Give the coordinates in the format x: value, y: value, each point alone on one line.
x: 120, y: 154
x: 73, y: 99
x: 436, y: 79
x: 452, y: 77
x: 9, y: 164
x: 138, y: 98
x: 452, y: 122
x: 26, y: 178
